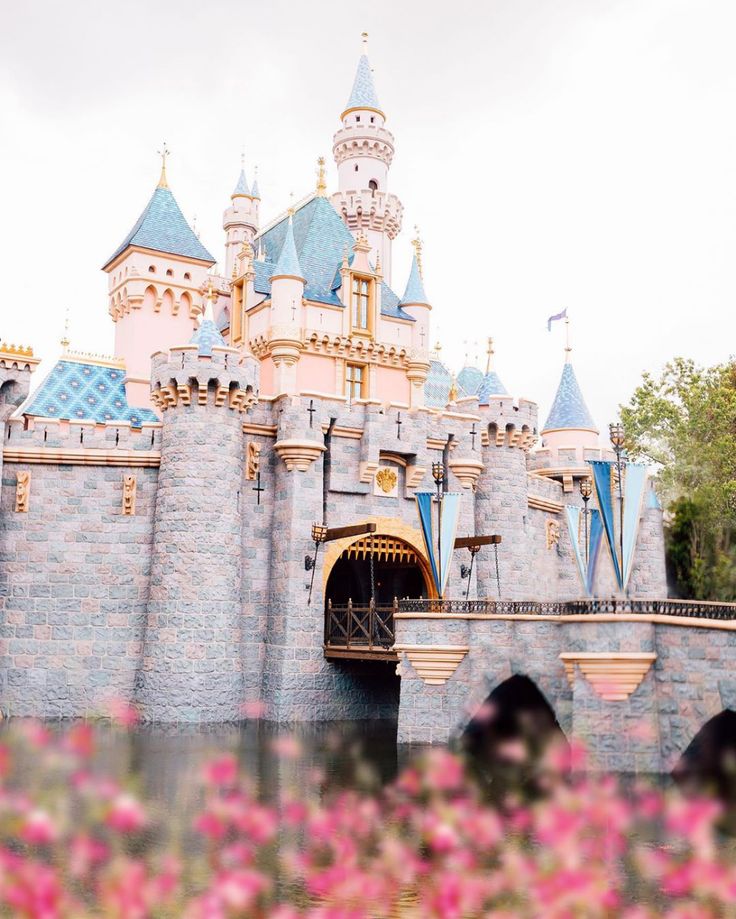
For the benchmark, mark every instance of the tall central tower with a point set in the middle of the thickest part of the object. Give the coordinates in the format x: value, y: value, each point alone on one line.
x: 363, y: 151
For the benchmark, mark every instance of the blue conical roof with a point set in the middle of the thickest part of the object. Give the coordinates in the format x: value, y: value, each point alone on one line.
x: 414, y: 292
x: 569, y: 411
x: 363, y: 94
x: 491, y: 386
x: 163, y: 227
x: 242, y: 187
x: 288, y: 262
x: 470, y: 378
x: 254, y: 192
x: 207, y: 337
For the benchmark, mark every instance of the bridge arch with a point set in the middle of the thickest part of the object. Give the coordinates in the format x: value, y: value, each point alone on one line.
x: 512, y: 697
x: 708, y: 763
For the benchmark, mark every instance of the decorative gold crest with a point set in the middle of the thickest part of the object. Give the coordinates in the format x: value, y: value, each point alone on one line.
x: 253, y: 460
x: 386, y: 480
x: 128, y: 495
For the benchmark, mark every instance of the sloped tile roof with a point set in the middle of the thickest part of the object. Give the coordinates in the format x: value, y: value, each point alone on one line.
x: 85, y: 392
x: 491, y: 386
x: 414, y: 292
x: 438, y: 384
x: 288, y: 261
x: 207, y: 337
x: 320, y: 241
x: 363, y: 94
x: 569, y: 411
x: 470, y: 378
x: 163, y: 227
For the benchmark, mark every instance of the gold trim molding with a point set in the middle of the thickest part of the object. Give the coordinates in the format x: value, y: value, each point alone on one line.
x: 49, y: 456
x: 613, y: 675
x: 434, y: 664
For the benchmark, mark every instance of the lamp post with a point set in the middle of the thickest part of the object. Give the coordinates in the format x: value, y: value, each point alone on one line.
x: 319, y: 535
x: 616, y: 432
x: 438, y: 474
x: 586, y: 490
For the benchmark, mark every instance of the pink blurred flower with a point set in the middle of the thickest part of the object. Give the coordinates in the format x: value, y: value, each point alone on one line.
x: 38, y: 829
x: 123, y: 713
x: 221, y: 772
x: 126, y: 814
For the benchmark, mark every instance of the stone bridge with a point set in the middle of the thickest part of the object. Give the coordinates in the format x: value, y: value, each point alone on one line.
x: 636, y: 681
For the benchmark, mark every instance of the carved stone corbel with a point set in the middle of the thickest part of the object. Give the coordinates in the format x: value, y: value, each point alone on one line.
x: 22, y: 492
x: 129, y: 490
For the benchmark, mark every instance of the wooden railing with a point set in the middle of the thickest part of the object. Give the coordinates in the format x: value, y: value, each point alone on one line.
x: 692, y: 609
x: 359, y: 627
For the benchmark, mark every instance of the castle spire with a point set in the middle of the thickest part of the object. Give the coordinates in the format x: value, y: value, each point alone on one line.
x: 164, y: 152
x: 363, y: 94
x: 415, y: 292
x: 490, y: 352
x: 321, y: 181
x: 288, y: 261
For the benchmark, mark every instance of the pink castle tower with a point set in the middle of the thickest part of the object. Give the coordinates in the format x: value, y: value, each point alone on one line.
x: 155, y: 280
x: 363, y: 150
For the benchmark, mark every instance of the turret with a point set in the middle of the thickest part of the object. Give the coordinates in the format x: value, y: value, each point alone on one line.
x: 287, y: 294
x: 416, y: 303
x: 240, y: 220
x: 192, y: 668
x: 155, y: 277
x: 491, y: 384
x: 569, y: 426
x: 363, y: 151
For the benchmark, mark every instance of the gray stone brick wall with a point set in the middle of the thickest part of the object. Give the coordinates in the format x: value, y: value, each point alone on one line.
x: 73, y: 588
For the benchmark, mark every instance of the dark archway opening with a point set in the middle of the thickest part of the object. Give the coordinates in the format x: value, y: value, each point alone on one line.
x: 708, y: 765
x: 350, y: 579
x: 509, y: 734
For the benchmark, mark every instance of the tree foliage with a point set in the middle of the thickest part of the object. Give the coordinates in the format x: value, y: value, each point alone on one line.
x: 684, y: 422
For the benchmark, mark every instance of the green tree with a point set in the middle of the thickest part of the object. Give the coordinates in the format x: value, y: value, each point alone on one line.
x: 684, y: 423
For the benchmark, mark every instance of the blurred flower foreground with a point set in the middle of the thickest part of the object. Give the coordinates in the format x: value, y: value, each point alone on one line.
x: 76, y: 842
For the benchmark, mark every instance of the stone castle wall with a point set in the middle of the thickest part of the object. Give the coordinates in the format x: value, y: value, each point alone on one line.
x: 201, y: 594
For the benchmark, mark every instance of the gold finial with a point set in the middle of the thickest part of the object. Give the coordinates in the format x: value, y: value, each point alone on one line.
x: 65, y: 337
x: 568, y: 347
x: 290, y: 209
x: 490, y: 352
x: 452, y: 395
x: 378, y: 263
x: 438, y: 346
x: 364, y: 39
x: 345, y: 258
x: 321, y: 182
x: 209, y: 309
x: 163, y: 153
x: 417, y: 243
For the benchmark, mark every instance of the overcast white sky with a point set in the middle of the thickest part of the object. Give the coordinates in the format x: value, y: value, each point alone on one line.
x: 577, y: 153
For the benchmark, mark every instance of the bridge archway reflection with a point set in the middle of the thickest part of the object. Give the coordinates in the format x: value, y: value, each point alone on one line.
x: 512, y: 728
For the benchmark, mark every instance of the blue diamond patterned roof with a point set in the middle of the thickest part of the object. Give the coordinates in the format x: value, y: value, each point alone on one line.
x: 288, y: 262
x: 491, y: 386
x: 242, y: 187
x: 470, y: 378
x: 85, y: 392
x: 320, y: 240
x: 254, y: 192
x: 438, y: 384
x: 207, y: 337
x: 569, y: 411
x: 163, y: 227
x: 363, y: 94
x: 414, y: 292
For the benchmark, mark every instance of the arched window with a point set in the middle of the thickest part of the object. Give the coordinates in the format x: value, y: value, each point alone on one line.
x: 187, y: 276
x: 152, y: 269
x: 169, y: 273
x: 373, y: 185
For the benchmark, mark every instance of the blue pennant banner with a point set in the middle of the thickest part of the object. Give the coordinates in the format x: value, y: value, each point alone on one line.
x: 634, y: 486
x: 450, y: 515
x: 594, y: 546
x: 602, y: 480
x: 595, y: 532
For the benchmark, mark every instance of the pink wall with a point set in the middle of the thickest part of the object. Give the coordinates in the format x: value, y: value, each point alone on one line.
x: 316, y: 373
x: 391, y: 385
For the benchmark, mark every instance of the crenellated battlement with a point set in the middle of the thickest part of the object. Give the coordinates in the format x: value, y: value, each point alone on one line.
x: 55, y: 434
x: 183, y: 376
x: 507, y: 423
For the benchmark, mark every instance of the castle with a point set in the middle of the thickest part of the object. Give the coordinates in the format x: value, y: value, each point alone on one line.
x: 156, y: 507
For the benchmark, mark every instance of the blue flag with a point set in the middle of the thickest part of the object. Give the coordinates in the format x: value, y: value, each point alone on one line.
x: 562, y: 315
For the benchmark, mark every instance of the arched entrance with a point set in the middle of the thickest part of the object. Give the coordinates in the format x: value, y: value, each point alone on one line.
x: 364, y: 579
x: 378, y: 567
